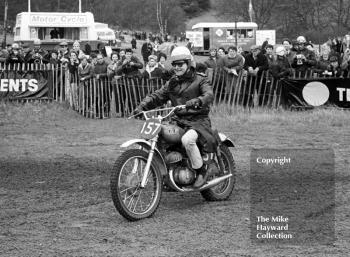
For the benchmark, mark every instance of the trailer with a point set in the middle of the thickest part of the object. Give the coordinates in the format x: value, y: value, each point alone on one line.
x: 223, y: 34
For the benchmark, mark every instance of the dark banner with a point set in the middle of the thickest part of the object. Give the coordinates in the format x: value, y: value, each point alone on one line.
x: 17, y: 84
x: 316, y: 92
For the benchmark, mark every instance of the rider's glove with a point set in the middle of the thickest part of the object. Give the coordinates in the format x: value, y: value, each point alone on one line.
x: 193, y: 103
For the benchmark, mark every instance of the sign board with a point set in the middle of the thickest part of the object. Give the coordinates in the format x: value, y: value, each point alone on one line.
x: 196, y: 37
x: 269, y: 35
x: 58, y: 20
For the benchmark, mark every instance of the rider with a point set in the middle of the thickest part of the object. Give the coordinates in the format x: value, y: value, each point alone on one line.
x: 189, y: 88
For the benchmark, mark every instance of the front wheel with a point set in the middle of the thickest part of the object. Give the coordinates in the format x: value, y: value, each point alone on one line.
x: 223, y: 190
x: 132, y: 202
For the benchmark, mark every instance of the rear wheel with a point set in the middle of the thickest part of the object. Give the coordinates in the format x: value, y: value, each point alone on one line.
x: 223, y: 190
x: 132, y: 202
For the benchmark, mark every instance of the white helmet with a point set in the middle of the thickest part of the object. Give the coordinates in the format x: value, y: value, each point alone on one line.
x: 280, y: 50
x: 181, y: 53
x: 301, y: 39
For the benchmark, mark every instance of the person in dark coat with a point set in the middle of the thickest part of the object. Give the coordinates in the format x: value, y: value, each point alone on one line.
x: 131, y: 65
x: 187, y: 87
x: 255, y: 64
x: 304, y: 59
x: 100, y: 68
x: 280, y: 67
x: 146, y: 50
x: 211, y: 62
x: 133, y: 43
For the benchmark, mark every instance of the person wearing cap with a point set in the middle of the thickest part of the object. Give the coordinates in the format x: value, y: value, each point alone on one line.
x: 280, y: 67
x: 15, y: 55
x: 304, y: 59
x: 153, y: 69
x: 37, y: 55
x: 131, y: 65
x: 256, y: 62
x: 188, y: 88
x: 211, y: 62
x: 63, y: 52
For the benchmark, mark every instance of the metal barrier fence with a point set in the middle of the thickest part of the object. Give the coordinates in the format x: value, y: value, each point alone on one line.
x: 117, y: 97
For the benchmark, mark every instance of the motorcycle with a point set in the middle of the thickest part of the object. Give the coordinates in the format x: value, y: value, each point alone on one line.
x: 159, y: 162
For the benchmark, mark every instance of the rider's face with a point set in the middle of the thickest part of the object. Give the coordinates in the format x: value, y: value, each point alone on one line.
x: 180, y: 68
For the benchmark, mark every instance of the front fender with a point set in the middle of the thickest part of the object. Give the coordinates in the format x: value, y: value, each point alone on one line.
x: 144, y: 143
x: 226, y: 140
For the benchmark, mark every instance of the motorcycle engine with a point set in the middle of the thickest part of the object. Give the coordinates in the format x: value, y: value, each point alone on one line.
x: 184, y: 176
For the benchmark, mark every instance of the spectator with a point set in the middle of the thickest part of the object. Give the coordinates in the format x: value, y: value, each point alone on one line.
x: 304, y: 59
x: 289, y: 54
x: 280, y: 67
x: 156, y: 46
x: 85, y: 69
x: 37, y: 55
x: 100, y: 68
x: 153, y: 70
x: 130, y: 65
x: 54, y: 58
x: 333, y: 69
x: 146, y: 50
x: 233, y: 62
x: 133, y: 43
x: 345, y: 64
x: 54, y: 33
x: 211, y: 62
x: 256, y: 62
x: 221, y: 52
x: 189, y: 45
x: 77, y: 50
x: 73, y: 65
x: 269, y: 54
x: 87, y: 48
x: 14, y: 55
x: 201, y: 69
x: 113, y: 66
x: 63, y: 53
x: 162, y: 59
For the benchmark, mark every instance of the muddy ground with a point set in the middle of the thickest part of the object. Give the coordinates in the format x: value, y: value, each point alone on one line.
x: 55, y: 199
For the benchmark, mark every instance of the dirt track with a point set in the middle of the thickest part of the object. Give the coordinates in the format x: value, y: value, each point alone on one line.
x: 55, y: 199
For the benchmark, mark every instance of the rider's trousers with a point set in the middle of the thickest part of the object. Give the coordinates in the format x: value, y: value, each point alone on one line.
x: 189, y: 140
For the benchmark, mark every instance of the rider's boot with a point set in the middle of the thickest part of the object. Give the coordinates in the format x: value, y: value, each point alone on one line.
x: 208, y: 169
x: 202, y: 176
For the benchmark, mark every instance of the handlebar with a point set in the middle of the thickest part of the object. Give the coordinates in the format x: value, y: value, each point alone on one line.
x: 172, y: 110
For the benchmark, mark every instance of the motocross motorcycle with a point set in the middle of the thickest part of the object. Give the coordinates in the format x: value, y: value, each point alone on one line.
x: 158, y: 161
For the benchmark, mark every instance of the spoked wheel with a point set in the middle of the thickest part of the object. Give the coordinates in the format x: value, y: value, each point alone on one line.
x: 132, y: 201
x: 223, y: 190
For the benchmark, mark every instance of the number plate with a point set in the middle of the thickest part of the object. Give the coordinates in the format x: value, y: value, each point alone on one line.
x: 150, y: 128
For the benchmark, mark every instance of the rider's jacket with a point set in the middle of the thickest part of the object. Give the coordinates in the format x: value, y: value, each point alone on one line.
x: 181, y: 89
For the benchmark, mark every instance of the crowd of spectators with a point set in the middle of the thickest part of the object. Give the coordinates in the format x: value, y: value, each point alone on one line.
x: 290, y: 57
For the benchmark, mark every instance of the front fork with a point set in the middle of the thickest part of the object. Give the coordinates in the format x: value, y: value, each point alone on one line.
x: 149, y: 161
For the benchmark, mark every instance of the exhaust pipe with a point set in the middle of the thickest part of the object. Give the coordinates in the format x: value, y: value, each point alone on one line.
x: 214, y: 182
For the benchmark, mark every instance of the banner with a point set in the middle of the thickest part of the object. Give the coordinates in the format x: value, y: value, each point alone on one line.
x: 320, y: 92
x: 20, y: 84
